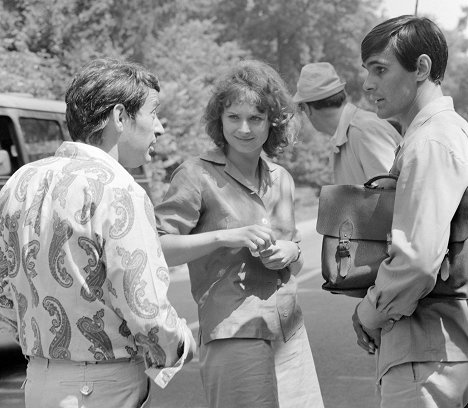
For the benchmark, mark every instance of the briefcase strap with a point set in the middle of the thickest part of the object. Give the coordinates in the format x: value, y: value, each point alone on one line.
x: 343, y: 254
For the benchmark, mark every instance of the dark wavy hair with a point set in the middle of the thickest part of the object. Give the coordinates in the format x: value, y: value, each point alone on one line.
x: 254, y: 82
x: 97, y: 88
x: 409, y: 37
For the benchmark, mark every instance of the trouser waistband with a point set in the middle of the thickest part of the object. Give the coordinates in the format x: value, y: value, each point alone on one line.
x: 49, y: 361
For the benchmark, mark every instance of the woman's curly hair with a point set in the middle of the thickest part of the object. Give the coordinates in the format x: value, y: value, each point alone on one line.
x: 254, y: 82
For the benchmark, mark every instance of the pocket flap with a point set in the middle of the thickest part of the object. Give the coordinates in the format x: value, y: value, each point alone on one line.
x: 370, y: 211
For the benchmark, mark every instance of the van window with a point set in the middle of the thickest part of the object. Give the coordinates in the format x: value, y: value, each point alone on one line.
x: 42, y: 137
x: 7, y: 141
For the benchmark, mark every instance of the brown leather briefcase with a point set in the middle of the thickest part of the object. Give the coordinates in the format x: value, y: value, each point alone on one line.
x: 356, y: 221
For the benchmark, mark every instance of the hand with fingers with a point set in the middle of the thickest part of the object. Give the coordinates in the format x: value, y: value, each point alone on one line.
x: 255, y: 237
x: 367, y: 339
x: 279, y: 255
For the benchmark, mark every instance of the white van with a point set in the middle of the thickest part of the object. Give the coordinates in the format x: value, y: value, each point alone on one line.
x: 31, y: 129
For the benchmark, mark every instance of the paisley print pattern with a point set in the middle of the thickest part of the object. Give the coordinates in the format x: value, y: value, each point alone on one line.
x: 111, y: 289
x: 92, y: 289
x: 163, y: 274
x: 59, y: 348
x: 3, y: 201
x: 134, y: 286
x: 149, y: 211
x: 75, y: 283
x: 29, y: 254
x: 68, y: 150
x: 93, y: 196
x: 5, y: 302
x: 13, y: 254
x: 123, y: 328
x: 131, y: 352
x: 11, y: 325
x: 22, y: 184
x: 60, y: 190
x: 37, y: 348
x: 125, y: 214
x: 62, y: 232
x: 3, y: 270
x: 33, y: 215
x: 159, y: 252
x: 93, y: 330
x: 22, y: 303
x: 97, y: 175
x: 156, y: 353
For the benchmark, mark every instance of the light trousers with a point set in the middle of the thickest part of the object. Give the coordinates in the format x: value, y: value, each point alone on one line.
x: 425, y: 385
x: 69, y: 384
x: 257, y: 373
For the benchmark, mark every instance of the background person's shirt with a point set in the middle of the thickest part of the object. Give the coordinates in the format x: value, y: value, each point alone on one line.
x: 237, y: 295
x: 364, y: 146
x: 432, y: 170
x: 82, y: 274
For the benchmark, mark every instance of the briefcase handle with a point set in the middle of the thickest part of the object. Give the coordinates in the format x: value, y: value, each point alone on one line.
x: 368, y: 183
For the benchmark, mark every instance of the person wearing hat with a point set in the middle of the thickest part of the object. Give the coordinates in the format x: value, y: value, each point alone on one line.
x: 364, y: 145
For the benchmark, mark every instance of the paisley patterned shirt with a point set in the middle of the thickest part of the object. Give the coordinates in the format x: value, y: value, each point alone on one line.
x: 82, y: 274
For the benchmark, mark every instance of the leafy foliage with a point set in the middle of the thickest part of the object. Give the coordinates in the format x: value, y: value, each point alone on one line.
x: 44, y: 42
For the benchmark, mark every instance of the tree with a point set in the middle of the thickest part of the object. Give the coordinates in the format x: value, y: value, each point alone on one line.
x: 185, y: 55
x: 291, y: 33
x: 456, y: 80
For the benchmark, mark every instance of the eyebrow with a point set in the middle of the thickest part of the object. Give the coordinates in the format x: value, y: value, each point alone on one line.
x: 378, y: 61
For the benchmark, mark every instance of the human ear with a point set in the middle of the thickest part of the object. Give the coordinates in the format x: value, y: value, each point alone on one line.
x: 306, y: 109
x: 118, y: 116
x: 423, y: 67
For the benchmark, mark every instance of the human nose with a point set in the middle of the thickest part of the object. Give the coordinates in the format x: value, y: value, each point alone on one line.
x: 368, y: 84
x: 244, y: 128
x: 158, y: 127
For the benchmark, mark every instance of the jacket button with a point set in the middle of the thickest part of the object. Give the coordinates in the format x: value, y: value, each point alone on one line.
x: 279, y: 282
x: 285, y: 314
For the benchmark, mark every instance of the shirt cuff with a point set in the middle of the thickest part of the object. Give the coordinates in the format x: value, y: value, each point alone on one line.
x: 371, y: 318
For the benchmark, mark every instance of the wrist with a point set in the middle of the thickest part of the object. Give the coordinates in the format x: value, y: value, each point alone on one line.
x: 299, y: 252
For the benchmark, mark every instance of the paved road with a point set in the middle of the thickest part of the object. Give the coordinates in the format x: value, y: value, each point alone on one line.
x: 345, y: 371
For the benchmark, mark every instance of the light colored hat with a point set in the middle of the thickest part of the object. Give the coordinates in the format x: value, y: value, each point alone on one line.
x: 317, y: 81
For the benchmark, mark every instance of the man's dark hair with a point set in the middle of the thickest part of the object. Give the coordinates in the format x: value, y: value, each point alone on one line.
x: 97, y: 88
x: 333, y: 101
x: 408, y: 37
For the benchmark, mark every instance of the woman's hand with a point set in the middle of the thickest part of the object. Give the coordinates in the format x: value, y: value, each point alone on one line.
x: 279, y: 255
x: 255, y: 237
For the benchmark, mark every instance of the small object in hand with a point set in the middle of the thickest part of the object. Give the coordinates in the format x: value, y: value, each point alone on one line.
x: 255, y: 253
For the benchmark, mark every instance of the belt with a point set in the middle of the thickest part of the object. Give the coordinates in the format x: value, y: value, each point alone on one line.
x: 72, y: 362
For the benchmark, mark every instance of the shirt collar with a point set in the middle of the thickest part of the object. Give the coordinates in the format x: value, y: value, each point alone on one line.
x: 217, y: 156
x: 341, y: 133
x: 443, y: 103
x: 83, y: 151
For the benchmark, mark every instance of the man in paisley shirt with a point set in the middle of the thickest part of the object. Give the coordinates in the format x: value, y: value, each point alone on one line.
x: 83, y: 281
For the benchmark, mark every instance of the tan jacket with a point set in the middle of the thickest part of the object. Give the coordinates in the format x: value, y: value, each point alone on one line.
x: 432, y: 170
x: 364, y: 146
